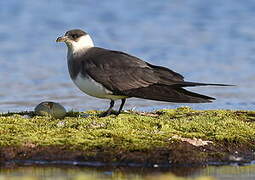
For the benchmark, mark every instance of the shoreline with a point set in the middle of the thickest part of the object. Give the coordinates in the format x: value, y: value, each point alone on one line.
x: 163, y: 138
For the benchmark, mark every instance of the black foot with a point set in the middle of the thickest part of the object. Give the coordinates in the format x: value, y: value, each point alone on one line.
x: 108, y: 113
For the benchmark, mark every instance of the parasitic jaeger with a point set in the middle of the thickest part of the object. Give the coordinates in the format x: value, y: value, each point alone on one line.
x: 114, y: 75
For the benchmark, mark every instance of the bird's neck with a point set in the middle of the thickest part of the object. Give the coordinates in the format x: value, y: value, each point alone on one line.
x: 80, y: 47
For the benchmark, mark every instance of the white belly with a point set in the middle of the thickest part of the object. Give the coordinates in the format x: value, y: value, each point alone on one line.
x: 93, y: 88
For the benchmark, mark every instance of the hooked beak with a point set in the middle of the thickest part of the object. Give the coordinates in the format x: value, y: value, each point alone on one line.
x: 62, y: 39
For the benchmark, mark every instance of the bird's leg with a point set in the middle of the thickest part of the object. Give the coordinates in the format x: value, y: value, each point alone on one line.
x: 109, y: 110
x: 121, y: 106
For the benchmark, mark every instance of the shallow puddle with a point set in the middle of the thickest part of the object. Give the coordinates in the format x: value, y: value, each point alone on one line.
x: 68, y: 172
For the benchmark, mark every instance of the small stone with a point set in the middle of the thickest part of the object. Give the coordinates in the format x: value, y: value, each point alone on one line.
x: 48, y: 108
x: 27, y: 116
x: 235, y: 158
x: 61, y: 123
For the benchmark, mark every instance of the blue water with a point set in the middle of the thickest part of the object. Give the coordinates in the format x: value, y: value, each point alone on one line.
x: 205, y: 40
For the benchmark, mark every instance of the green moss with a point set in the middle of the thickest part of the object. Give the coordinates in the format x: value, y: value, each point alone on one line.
x: 129, y: 131
x: 166, y: 136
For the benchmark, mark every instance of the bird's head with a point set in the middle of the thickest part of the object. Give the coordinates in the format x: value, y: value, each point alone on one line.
x: 76, y: 40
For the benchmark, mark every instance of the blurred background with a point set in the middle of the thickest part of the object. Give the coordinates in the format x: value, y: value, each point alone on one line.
x: 206, y: 41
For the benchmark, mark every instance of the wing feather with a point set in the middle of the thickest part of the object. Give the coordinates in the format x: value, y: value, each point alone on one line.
x: 118, y: 71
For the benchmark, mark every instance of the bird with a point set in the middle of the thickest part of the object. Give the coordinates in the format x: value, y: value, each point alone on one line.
x: 116, y: 75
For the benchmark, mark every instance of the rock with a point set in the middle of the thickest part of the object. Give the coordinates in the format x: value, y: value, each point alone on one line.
x: 48, y: 108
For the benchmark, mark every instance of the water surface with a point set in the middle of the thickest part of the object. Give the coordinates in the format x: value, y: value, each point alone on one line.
x: 233, y: 172
x: 206, y: 41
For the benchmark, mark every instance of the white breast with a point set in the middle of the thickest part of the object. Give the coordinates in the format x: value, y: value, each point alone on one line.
x: 93, y: 88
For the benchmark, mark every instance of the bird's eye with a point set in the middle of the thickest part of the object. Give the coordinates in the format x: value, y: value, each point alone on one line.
x: 74, y: 36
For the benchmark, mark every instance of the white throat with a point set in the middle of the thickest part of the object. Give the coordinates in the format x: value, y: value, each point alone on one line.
x: 82, y: 45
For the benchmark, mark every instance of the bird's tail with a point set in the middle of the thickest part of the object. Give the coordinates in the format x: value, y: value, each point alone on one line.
x: 190, y: 84
x: 169, y: 94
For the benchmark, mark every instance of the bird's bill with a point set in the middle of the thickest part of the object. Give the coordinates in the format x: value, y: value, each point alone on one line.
x: 62, y: 39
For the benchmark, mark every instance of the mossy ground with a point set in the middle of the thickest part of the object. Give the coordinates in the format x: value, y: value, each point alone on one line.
x: 166, y: 136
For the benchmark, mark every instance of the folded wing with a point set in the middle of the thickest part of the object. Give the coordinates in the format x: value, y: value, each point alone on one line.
x: 124, y: 74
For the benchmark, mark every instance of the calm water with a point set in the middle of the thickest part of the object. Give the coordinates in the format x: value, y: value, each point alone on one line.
x: 69, y: 173
x: 207, y: 41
